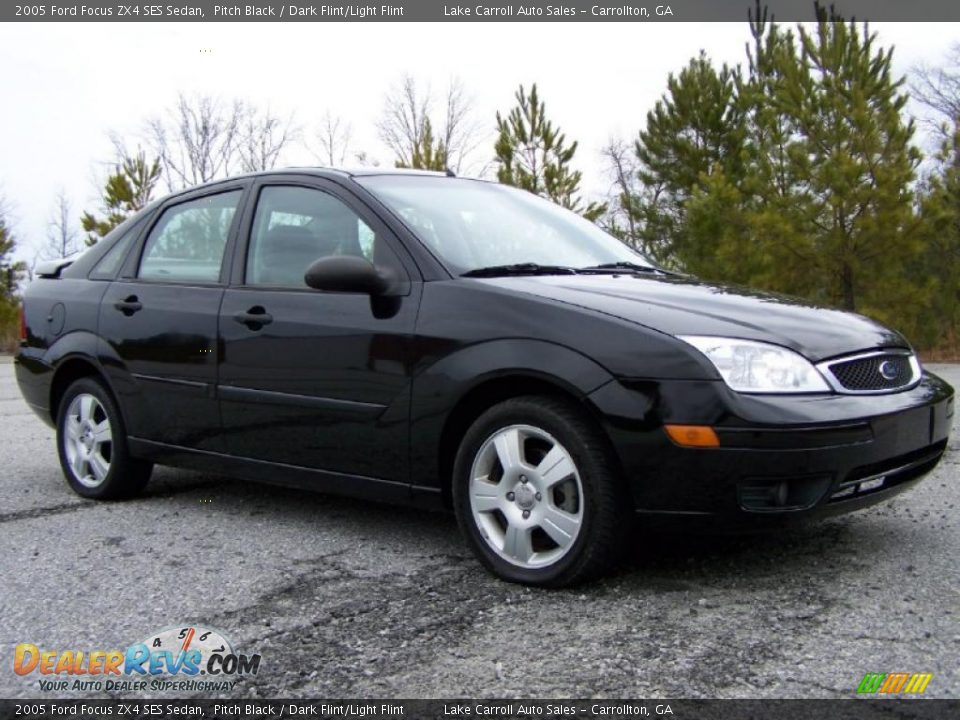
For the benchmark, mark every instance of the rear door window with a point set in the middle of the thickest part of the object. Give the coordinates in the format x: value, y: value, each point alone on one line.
x: 188, y: 241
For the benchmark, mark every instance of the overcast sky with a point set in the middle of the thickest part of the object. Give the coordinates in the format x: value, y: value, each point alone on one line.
x: 64, y: 86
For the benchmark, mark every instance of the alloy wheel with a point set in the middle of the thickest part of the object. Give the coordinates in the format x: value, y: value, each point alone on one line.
x: 87, y: 440
x: 526, y: 496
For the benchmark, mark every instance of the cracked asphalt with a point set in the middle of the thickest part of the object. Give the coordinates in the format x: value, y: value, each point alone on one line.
x: 348, y: 599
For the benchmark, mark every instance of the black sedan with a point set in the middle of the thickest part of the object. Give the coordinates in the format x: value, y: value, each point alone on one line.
x: 419, y: 338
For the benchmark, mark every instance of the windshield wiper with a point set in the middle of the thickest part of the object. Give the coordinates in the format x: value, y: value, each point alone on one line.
x: 520, y: 269
x: 622, y: 265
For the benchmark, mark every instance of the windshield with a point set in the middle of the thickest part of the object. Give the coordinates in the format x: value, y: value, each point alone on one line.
x: 471, y: 224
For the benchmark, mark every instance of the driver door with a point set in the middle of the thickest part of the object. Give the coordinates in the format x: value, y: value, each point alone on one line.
x: 307, y: 378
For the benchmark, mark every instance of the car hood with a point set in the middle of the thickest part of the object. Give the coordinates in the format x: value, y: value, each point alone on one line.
x: 683, y: 306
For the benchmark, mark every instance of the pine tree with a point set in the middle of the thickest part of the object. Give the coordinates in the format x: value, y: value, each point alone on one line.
x: 694, y: 131
x: 128, y: 190
x: 856, y: 164
x: 794, y: 175
x: 940, y: 209
x: 747, y: 218
x: 427, y: 153
x: 533, y: 154
x: 11, y: 272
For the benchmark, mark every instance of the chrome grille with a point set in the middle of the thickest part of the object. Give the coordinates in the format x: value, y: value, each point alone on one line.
x: 875, y: 372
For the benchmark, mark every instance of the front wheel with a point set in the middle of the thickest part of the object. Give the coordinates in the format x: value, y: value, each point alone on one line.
x: 537, y: 494
x: 92, y: 445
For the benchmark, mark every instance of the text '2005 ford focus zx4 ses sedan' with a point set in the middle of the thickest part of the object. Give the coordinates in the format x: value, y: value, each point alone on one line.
x: 413, y: 337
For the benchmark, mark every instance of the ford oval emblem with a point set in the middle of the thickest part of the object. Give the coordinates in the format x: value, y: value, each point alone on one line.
x: 888, y: 370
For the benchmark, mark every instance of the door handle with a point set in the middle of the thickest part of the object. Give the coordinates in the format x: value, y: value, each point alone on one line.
x: 129, y: 305
x: 254, y: 318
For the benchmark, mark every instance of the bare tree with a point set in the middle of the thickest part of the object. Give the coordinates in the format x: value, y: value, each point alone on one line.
x: 404, y: 115
x: 363, y: 159
x: 334, y: 147
x: 462, y: 132
x: 408, y: 118
x: 197, y: 140
x: 333, y: 136
x: 630, y: 203
x: 202, y: 138
x: 62, y: 236
x: 621, y: 218
x: 938, y: 89
x: 263, y: 137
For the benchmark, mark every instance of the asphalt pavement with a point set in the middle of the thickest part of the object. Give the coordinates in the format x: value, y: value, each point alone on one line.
x: 349, y: 599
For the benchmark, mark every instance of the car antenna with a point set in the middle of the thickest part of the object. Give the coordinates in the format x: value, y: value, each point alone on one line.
x: 451, y: 173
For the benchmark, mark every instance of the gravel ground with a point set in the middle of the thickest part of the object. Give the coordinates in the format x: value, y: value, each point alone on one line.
x: 347, y: 599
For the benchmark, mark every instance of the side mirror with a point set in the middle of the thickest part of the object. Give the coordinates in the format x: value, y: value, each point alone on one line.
x: 348, y: 274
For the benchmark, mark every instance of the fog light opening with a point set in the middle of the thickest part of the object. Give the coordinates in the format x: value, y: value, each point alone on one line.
x: 780, y: 494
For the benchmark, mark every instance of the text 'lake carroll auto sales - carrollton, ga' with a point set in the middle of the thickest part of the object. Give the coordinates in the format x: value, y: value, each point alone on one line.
x: 555, y: 11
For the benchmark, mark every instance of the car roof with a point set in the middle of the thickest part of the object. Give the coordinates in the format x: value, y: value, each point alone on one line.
x: 363, y: 171
x: 318, y: 171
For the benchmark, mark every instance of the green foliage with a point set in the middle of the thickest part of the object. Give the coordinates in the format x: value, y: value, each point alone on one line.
x: 940, y: 210
x: 857, y: 164
x: 427, y: 153
x: 795, y: 174
x: 694, y: 131
x: 11, y: 272
x: 533, y: 154
x: 128, y: 190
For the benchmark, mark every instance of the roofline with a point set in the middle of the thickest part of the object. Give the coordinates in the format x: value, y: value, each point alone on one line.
x: 317, y: 171
x: 362, y: 171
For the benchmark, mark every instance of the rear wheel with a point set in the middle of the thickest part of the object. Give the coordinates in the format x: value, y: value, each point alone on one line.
x: 92, y: 444
x: 537, y: 494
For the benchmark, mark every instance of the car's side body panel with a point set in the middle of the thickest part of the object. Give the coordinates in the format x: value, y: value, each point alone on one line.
x: 325, y: 385
x: 314, y: 479
x: 162, y: 360
x: 159, y: 343
x: 61, y: 321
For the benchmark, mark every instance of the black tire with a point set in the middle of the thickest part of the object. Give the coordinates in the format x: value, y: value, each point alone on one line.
x: 125, y: 475
x: 604, y: 515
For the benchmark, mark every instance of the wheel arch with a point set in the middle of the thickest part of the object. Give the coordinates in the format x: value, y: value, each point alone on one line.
x: 491, y: 391
x: 450, y: 393
x: 70, y: 369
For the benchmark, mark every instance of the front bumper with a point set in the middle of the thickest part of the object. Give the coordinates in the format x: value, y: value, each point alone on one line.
x: 781, y: 458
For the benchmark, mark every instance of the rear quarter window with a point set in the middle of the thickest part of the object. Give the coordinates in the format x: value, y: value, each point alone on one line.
x: 109, y: 265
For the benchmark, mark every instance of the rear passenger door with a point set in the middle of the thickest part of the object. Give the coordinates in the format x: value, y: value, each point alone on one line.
x: 158, y: 321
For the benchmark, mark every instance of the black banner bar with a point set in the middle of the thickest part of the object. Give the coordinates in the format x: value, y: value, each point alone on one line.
x: 852, y: 709
x: 467, y: 11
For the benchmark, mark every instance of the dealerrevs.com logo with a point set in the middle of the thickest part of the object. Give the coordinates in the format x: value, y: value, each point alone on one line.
x: 173, y: 659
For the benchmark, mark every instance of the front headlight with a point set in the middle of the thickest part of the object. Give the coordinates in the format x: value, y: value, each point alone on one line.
x: 756, y: 367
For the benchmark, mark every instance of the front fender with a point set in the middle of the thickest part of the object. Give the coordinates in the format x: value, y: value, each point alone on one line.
x: 441, y: 386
